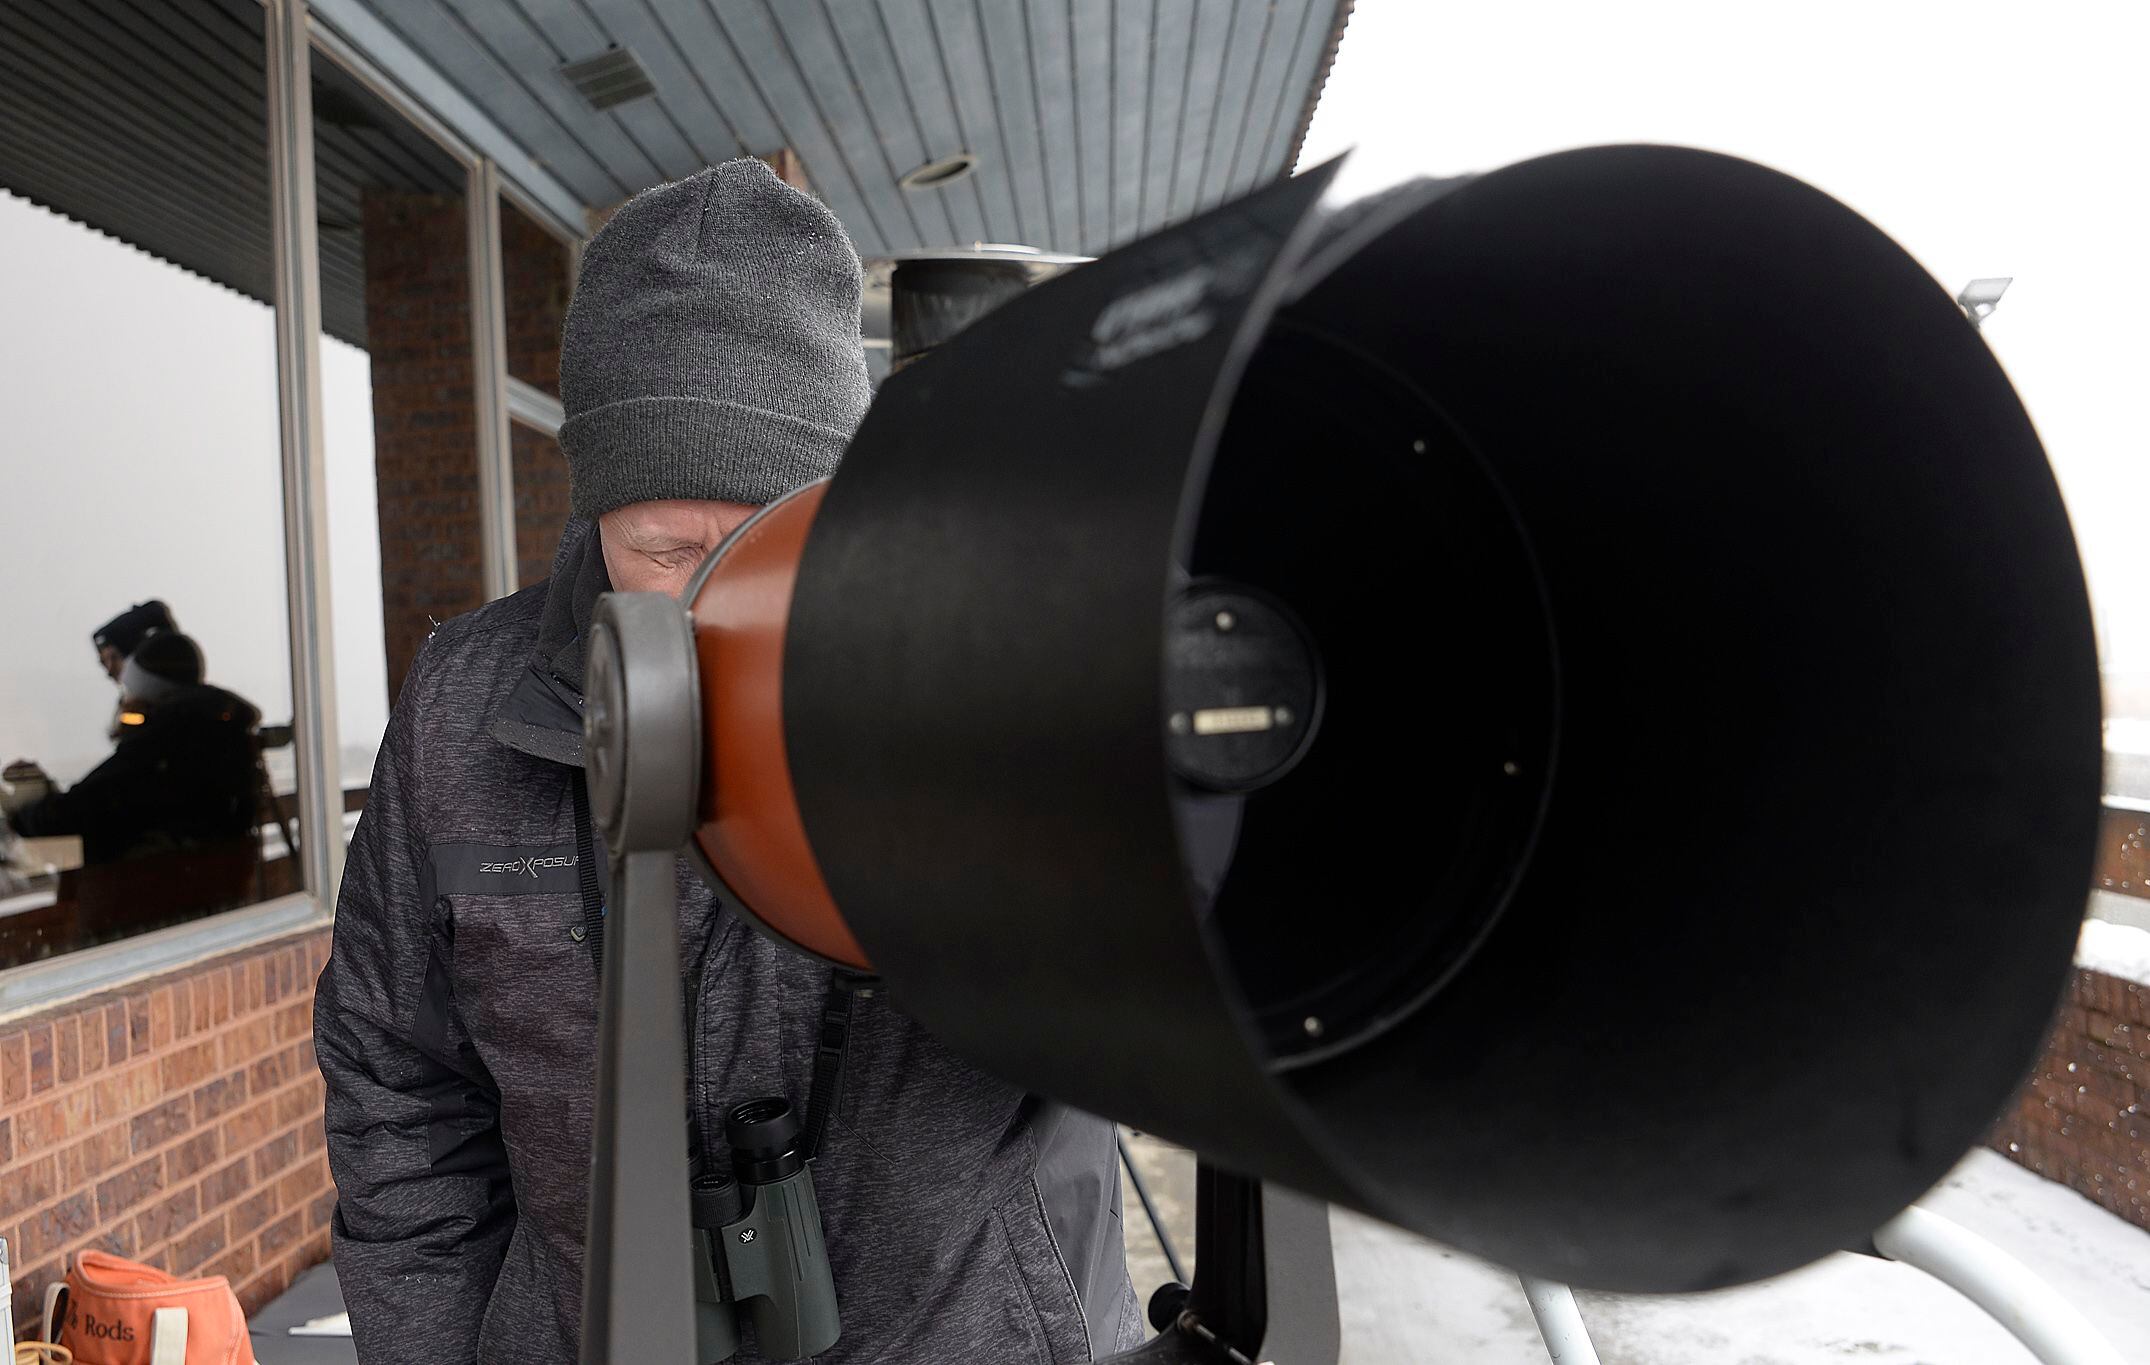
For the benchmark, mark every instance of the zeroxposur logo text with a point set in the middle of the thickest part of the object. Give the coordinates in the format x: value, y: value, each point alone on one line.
x: 526, y: 867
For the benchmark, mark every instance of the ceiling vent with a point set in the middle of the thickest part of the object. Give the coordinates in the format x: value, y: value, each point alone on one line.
x: 609, y: 79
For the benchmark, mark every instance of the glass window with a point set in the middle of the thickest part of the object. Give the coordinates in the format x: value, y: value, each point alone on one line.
x: 394, y: 306
x: 145, y: 706
x: 398, y: 410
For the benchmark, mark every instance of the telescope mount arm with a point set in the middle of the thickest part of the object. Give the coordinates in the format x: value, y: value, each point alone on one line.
x: 641, y: 755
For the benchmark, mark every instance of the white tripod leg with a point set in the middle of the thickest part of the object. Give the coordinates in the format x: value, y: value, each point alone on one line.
x: 1998, y: 1283
x: 1553, y: 1305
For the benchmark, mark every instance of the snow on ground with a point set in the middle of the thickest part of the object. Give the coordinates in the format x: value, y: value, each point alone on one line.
x: 2121, y: 950
x: 1408, y: 1302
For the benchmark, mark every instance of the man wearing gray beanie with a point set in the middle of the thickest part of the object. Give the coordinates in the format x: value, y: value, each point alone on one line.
x: 710, y: 364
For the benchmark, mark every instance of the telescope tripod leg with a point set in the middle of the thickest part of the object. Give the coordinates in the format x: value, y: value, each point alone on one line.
x: 1264, y: 1281
x: 1560, y: 1324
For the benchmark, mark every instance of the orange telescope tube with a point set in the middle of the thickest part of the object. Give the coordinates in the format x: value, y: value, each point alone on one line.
x: 748, y: 828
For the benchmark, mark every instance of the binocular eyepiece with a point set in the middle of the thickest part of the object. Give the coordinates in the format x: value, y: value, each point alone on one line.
x: 764, y: 1137
x: 759, y: 1247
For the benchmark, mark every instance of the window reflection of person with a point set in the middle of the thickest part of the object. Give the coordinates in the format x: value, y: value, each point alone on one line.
x: 181, y: 775
x: 117, y: 640
x: 120, y: 637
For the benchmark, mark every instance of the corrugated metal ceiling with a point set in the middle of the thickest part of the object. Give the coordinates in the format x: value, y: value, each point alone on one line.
x: 145, y: 119
x: 1093, y: 121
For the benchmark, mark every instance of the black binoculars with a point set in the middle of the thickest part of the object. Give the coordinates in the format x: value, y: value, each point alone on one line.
x: 759, y: 1246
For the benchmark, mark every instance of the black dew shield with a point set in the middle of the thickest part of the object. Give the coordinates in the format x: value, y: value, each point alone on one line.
x: 1557, y: 709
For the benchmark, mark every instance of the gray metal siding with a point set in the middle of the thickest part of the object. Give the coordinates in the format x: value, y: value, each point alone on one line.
x: 1132, y: 38
x: 1052, y: 87
x: 776, y: 71
x: 1091, y: 57
x: 867, y: 49
x: 1172, y: 52
x: 1015, y: 96
x: 1094, y: 121
x: 1215, y: 23
x: 1265, y: 97
x: 918, y: 65
x: 1311, y: 50
x: 1228, y: 116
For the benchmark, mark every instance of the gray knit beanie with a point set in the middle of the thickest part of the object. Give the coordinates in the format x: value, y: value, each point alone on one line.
x: 712, y: 347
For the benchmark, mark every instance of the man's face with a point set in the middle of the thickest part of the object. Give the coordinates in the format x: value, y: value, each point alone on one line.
x: 657, y: 546
x: 112, y: 660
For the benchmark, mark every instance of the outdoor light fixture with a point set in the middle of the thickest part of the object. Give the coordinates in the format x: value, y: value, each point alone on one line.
x: 1980, y: 297
x: 944, y: 171
x: 1612, y: 790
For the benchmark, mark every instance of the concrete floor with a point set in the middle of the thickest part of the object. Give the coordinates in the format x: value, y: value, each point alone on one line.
x: 1168, y: 1171
x: 1407, y: 1301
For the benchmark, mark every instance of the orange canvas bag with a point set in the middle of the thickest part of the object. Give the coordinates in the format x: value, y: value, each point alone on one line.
x: 109, y: 1314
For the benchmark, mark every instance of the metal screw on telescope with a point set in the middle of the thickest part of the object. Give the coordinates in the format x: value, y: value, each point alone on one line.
x: 1264, y: 1286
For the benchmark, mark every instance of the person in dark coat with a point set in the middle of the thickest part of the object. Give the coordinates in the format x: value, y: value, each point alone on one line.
x: 711, y: 363
x: 181, y: 774
x: 118, y: 638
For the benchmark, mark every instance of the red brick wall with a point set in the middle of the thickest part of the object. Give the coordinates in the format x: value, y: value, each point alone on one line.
x: 534, y: 285
x: 541, y: 506
x: 2084, y: 1118
x: 425, y: 426
x: 177, y: 1121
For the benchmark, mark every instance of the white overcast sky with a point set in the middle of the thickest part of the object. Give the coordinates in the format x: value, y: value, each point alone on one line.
x: 138, y: 458
x: 1988, y: 139
x: 138, y: 452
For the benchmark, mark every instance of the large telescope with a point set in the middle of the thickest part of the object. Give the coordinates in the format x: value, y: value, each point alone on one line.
x: 1556, y: 709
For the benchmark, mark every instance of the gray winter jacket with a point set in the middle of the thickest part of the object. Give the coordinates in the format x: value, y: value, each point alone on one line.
x: 455, y: 1025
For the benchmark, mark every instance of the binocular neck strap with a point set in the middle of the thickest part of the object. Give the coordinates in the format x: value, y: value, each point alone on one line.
x: 827, y: 1087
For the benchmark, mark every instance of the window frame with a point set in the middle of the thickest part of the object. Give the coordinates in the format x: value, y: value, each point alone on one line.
x: 294, y: 30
